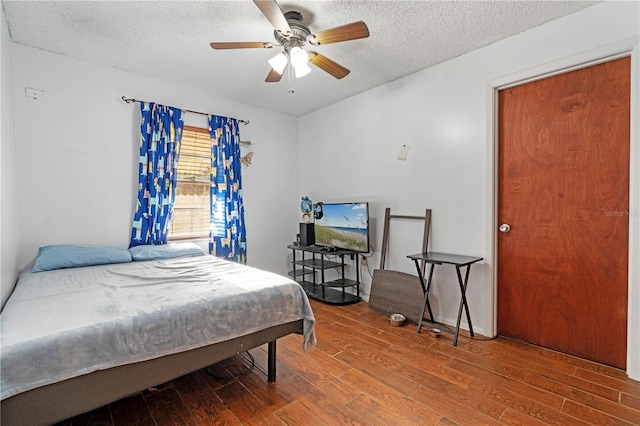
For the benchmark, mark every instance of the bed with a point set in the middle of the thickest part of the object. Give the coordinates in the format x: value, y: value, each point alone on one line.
x: 77, y: 338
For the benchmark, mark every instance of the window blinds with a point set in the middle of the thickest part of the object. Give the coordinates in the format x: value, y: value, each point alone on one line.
x: 191, y: 212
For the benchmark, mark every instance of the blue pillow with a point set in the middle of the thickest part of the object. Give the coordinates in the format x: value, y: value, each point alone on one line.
x: 71, y: 256
x: 165, y: 251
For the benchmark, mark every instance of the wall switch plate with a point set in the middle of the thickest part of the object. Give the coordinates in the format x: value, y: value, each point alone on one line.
x: 402, y: 153
x: 34, y: 93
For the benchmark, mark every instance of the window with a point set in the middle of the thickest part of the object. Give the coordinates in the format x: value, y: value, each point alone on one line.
x: 192, y: 208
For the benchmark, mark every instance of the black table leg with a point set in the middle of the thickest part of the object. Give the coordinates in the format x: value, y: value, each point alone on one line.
x: 427, y: 292
x: 425, y: 289
x: 463, y: 303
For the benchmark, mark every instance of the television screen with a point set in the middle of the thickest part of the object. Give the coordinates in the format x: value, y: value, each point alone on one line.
x: 342, y: 225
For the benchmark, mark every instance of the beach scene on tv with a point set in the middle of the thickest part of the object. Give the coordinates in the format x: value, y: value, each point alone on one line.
x: 343, y: 226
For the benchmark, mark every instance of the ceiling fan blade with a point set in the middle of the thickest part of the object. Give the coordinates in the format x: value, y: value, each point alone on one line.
x: 241, y: 45
x: 273, y: 76
x: 272, y: 12
x: 326, y: 64
x: 352, y: 31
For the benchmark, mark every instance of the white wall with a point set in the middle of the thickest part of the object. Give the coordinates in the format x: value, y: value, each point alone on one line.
x: 9, y: 212
x: 77, y: 152
x: 445, y: 115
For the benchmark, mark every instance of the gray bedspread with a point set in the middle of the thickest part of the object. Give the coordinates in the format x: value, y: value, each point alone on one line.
x: 65, y: 323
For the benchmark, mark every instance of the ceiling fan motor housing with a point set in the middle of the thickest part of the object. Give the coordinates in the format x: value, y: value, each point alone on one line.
x: 299, y: 31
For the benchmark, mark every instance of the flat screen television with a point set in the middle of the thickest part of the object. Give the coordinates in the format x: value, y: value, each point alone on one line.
x: 342, y: 226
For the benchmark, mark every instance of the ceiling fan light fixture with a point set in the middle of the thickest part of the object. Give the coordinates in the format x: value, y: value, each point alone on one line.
x: 302, y: 70
x: 279, y: 62
x: 299, y: 61
x: 299, y: 57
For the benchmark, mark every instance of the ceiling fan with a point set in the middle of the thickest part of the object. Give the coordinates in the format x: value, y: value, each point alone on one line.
x: 292, y: 35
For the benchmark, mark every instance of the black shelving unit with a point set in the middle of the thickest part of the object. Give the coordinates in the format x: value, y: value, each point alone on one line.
x: 313, y: 259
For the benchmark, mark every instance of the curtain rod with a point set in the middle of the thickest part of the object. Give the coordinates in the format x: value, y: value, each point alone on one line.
x: 129, y: 100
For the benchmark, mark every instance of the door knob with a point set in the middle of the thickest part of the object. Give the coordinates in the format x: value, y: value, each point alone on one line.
x: 504, y: 228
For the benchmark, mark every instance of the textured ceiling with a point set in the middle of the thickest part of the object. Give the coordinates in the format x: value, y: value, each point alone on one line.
x: 170, y: 40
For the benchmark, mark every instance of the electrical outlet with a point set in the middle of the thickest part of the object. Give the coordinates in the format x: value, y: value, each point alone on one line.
x: 364, y: 261
x: 30, y: 92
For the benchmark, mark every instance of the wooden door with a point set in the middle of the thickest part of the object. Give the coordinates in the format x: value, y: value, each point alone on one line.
x: 564, y: 191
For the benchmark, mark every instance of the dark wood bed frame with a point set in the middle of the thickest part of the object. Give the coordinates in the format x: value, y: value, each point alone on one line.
x: 59, y: 401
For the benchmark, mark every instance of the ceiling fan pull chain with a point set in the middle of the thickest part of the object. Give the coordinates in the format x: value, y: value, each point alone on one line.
x: 290, y: 76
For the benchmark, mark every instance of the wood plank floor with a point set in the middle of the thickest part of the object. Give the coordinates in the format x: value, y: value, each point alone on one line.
x: 365, y: 372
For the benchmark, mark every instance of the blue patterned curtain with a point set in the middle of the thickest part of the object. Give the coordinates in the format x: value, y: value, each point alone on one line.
x: 227, y: 237
x: 160, y: 134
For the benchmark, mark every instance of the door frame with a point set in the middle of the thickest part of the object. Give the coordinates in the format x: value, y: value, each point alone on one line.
x: 626, y: 47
